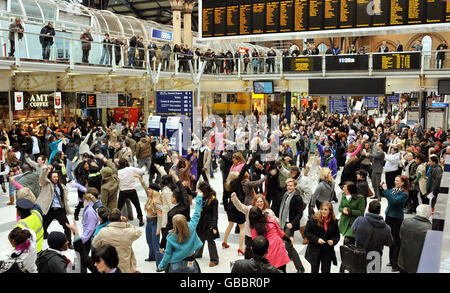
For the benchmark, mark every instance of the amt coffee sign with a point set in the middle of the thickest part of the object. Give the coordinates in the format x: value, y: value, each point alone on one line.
x: 38, y: 101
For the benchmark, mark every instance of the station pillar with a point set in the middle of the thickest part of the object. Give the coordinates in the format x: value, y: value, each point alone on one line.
x: 187, y: 21
x: 177, y: 7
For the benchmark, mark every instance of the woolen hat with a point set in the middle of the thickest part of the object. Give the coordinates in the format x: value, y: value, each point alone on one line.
x: 56, y: 240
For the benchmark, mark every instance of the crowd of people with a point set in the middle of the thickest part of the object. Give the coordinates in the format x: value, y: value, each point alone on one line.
x: 320, y: 159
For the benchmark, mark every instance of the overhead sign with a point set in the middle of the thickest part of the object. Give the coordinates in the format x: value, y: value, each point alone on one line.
x: 372, y: 102
x: 102, y: 101
x: 162, y: 35
x: 91, y: 100
x: 174, y: 103
x: 302, y: 64
x: 394, y: 99
x: 113, y: 100
x: 396, y: 61
x: 337, y: 105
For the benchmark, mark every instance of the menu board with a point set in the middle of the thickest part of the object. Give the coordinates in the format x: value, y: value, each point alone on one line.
x: 301, y: 15
x: 416, y: 11
x: 286, y: 15
x: 245, y: 17
x: 347, y: 14
x: 272, y: 16
x: 258, y: 16
x: 316, y: 14
x: 208, y: 18
x: 435, y: 11
x: 331, y: 14
x: 380, y: 13
x: 396, y: 61
x: 220, y: 21
x: 362, y: 17
x: 398, y: 12
x: 233, y: 17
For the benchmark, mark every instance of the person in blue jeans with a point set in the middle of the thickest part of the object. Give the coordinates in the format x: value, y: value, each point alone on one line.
x: 182, y: 242
x: 153, y: 207
x: 105, y: 58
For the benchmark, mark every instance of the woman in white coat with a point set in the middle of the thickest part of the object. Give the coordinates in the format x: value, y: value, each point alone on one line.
x: 391, y: 168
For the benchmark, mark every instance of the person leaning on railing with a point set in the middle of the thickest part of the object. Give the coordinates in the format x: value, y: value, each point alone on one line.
x: 15, y: 27
x: 46, y: 39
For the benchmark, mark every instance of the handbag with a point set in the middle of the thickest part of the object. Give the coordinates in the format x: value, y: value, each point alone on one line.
x: 353, y: 258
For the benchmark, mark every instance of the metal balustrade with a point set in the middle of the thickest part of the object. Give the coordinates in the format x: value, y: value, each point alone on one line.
x: 67, y: 52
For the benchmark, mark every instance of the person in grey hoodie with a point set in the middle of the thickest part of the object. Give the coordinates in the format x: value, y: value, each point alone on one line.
x: 382, y: 236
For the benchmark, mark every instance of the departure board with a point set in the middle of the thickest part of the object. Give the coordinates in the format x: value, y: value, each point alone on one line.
x: 286, y: 15
x: 272, y: 16
x: 315, y: 14
x: 396, y: 61
x: 380, y: 13
x: 416, y: 11
x: 245, y: 17
x: 258, y: 16
x: 398, y: 12
x: 435, y: 11
x: 220, y: 20
x: 233, y: 17
x: 331, y: 14
x: 347, y: 14
x: 301, y: 15
x: 362, y: 17
x: 208, y: 18
x: 303, y: 64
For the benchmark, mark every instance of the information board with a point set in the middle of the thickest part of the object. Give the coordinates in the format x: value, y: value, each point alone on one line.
x: 174, y: 103
x: 372, y: 102
x: 244, y: 17
x: 347, y: 62
x: 337, y: 105
x: 435, y: 117
x: 305, y: 64
x: 396, y: 61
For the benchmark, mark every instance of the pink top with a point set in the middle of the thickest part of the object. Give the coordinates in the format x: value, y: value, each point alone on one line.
x: 277, y: 254
x: 219, y: 141
x: 17, y: 185
x: 237, y: 168
x: 356, y: 151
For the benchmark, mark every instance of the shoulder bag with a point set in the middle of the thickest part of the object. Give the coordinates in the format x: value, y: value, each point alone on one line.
x: 353, y: 258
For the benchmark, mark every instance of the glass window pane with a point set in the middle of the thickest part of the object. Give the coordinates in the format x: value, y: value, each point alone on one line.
x: 32, y: 10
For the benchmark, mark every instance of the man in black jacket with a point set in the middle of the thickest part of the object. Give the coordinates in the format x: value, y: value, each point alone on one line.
x: 291, y: 211
x: 52, y: 260
x: 46, y: 39
x: 257, y: 264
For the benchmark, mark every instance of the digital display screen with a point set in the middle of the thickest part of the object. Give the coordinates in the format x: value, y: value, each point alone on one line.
x: 305, y: 64
x: 233, y: 17
x: 331, y: 14
x: 347, y: 14
x: 444, y: 87
x: 247, y: 17
x: 316, y: 14
x: 220, y: 21
x: 435, y: 11
x: 347, y: 62
x: 272, y: 16
x: 258, y: 16
x: 396, y: 61
x: 263, y: 87
x: 346, y: 86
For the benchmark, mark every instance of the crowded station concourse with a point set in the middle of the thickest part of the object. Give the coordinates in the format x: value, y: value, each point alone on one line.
x: 278, y: 153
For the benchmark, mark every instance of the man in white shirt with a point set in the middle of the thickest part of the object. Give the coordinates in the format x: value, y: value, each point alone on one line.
x: 127, y: 188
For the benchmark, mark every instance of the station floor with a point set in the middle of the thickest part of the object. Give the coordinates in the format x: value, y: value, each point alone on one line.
x: 7, y: 222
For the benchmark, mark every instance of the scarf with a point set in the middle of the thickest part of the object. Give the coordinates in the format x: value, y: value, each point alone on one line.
x: 284, y: 211
x: 429, y: 177
x: 396, y: 190
x: 325, y: 222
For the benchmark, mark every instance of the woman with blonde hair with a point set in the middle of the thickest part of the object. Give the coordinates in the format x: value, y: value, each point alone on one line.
x: 323, y: 234
x: 260, y: 202
x: 325, y: 190
x: 90, y: 222
x: 182, y: 242
x: 154, y: 209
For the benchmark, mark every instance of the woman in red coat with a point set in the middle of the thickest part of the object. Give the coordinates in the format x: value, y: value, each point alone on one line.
x: 261, y: 225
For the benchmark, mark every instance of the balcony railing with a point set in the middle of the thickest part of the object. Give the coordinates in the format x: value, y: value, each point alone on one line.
x: 68, y: 51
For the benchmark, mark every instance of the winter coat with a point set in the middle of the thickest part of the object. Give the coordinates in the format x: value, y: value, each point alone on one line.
x: 248, y: 189
x: 435, y: 180
x: 110, y: 186
x: 422, y: 172
x: 324, y: 192
x: 356, y: 206
x: 349, y: 172
x: 120, y: 235
x: 13, y: 28
x: 143, y: 148
x: 377, y: 162
x: 362, y: 187
x: 25, y: 259
x: 277, y: 254
x: 412, y: 234
x: 30, y: 179
x: 396, y: 203
x: 295, y: 210
x: 332, y: 163
x: 314, y: 250
x: 208, y: 220
x: 45, y: 198
x: 51, y: 262
x: 257, y: 264
x: 87, y: 39
x: 44, y: 40
x: 381, y: 236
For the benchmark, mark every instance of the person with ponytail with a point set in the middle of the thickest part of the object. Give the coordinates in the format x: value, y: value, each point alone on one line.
x: 23, y: 258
